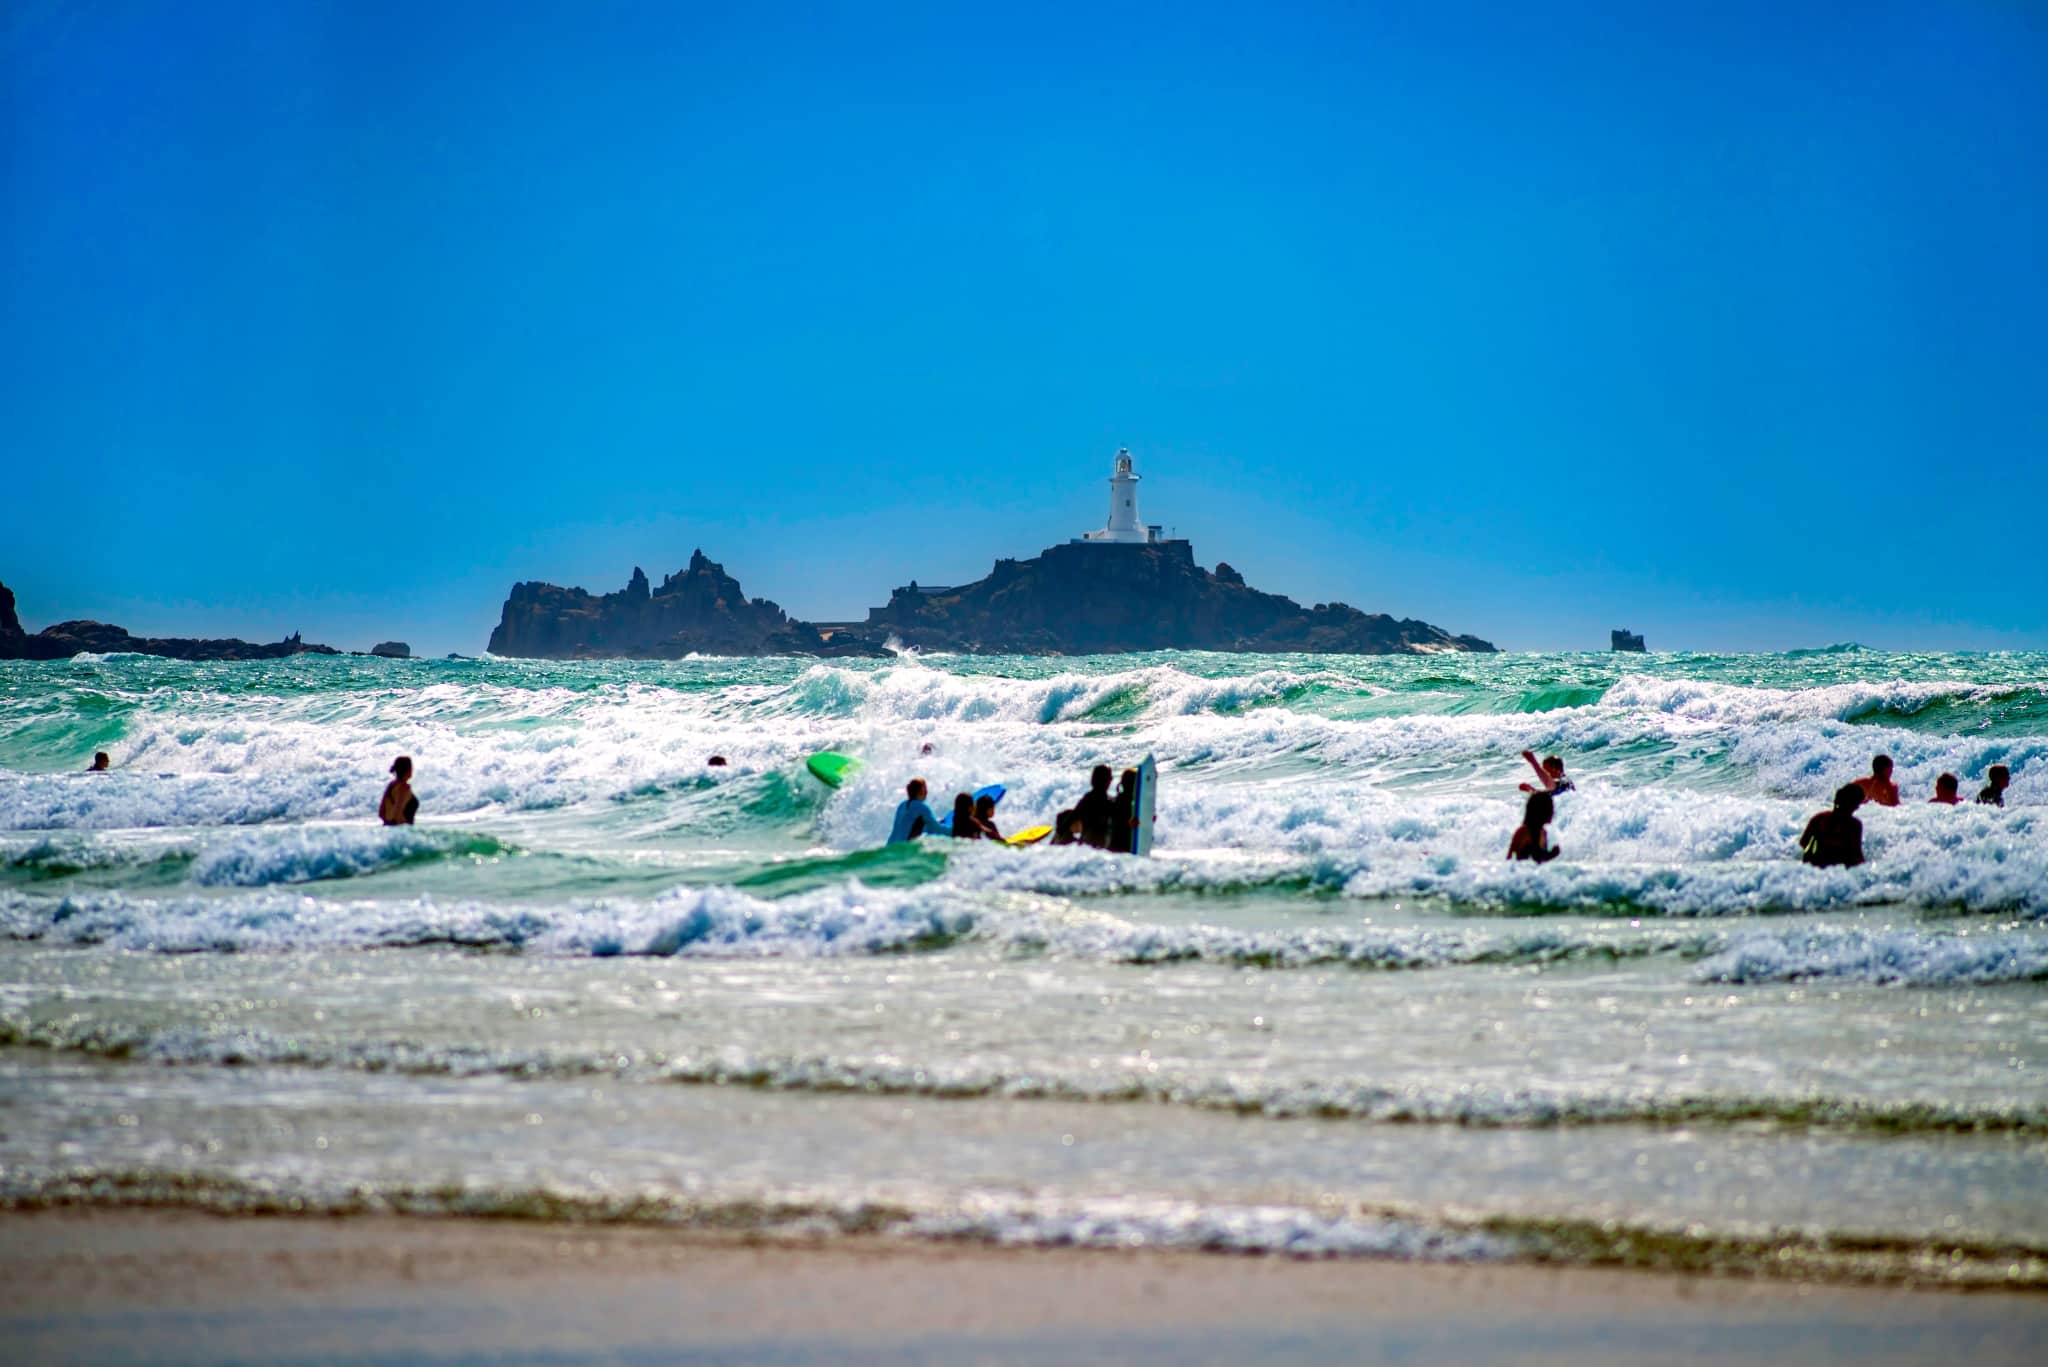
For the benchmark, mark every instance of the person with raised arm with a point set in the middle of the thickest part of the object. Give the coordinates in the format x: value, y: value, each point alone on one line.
x: 1549, y: 775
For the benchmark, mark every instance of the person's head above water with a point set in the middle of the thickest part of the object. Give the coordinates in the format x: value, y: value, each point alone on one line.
x: 1946, y: 785
x: 1848, y: 798
x: 1538, y: 810
x: 1128, y: 782
x: 1553, y: 766
x: 100, y: 761
x: 916, y: 789
x: 963, y: 812
x: 402, y: 767
x: 1999, y: 775
x: 984, y: 806
x: 1881, y: 767
x: 1099, y: 780
x: 716, y: 761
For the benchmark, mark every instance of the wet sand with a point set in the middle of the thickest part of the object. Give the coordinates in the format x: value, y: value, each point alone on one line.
x: 180, y: 1287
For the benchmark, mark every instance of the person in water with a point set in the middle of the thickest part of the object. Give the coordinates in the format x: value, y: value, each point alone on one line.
x: 1066, y: 828
x: 716, y: 761
x: 1094, y: 809
x: 1993, y: 793
x: 399, y: 806
x: 101, y: 762
x: 1946, y: 790
x: 1877, y: 785
x: 966, y: 825
x: 985, y: 815
x: 1549, y: 775
x: 1834, y: 839
x: 1123, y: 813
x: 914, y: 817
x: 1530, y: 841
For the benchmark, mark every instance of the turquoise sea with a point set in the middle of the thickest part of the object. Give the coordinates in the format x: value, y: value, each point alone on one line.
x: 602, y: 980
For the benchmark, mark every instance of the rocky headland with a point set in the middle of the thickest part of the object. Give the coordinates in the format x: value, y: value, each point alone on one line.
x: 701, y: 610
x: 1074, y: 599
x: 66, y: 639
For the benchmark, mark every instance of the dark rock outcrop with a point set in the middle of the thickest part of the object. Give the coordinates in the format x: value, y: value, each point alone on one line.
x: 1069, y: 600
x: 1624, y: 639
x: 66, y: 639
x: 392, y: 650
x: 1105, y: 599
x: 700, y: 611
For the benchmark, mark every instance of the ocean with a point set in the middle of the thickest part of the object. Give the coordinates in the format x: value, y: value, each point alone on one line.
x: 603, y: 981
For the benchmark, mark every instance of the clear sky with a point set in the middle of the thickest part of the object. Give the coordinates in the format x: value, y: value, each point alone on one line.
x: 1724, y: 321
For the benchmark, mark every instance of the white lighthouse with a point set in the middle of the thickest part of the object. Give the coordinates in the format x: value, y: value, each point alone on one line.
x: 1124, y: 527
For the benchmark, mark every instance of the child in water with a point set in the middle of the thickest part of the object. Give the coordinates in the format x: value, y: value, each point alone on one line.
x: 1993, y: 794
x: 1945, y: 790
x: 1834, y: 839
x: 1529, y: 840
x: 985, y: 816
x: 399, y: 806
x: 1549, y: 774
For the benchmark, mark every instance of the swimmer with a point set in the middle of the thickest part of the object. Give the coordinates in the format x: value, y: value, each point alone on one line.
x: 1877, y: 785
x: 1529, y: 840
x: 1549, y: 775
x: 1094, y: 809
x: 985, y: 817
x: 966, y: 825
x: 101, y: 762
x: 716, y: 761
x: 399, y: 806
x: 1066, y: 828
x: 1945, y: 790
x: 1834, y: 838
x: 1993, y: 794
x: 913, y: 816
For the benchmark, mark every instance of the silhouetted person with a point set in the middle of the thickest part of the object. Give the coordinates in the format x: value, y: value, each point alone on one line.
x: 1993, y: 794
x: 1549, y: 775
x: 914, y: 817
x: 1834, y: 839
x: 1877, y: 786
x: 1945, y: 790
x: 716, y: 761
x: 1066, y: 828
x: 1530, y: 841
x: 1123, y: 813
x: 985, y: 816
x: 100, y: 762
x: 1094, y: 809
x: 399, y: 806
x: 966, y: 825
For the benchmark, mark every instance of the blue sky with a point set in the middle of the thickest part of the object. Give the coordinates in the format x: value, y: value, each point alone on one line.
x: 1728, y: 321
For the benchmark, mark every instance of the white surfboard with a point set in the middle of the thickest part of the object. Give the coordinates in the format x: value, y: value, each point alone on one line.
x: 1148, y: 785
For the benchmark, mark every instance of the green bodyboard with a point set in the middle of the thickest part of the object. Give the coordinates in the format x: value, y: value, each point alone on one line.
x: 831, y: 768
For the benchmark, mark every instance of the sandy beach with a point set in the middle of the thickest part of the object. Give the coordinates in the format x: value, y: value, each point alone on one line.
x: 174, y: 1287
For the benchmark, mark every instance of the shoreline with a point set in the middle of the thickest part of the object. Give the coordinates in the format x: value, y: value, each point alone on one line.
x: 167, y: 1285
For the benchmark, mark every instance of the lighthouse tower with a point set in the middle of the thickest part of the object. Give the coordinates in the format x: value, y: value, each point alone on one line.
x: 1124, y: 526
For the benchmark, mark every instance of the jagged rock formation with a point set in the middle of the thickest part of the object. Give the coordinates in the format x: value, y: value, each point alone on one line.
x: 701, y: 611
x: 66, y: 639
x: 1069, y: 600
x: 392, y: 650
x: 1105, y: 599
x: 1623, y: 639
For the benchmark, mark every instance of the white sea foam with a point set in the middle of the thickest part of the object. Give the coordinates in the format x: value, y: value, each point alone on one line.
x: 1895, y: 958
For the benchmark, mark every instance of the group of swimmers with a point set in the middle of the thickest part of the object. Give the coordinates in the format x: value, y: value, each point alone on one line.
x: 1834, y: 838
x: 1100, y: 818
